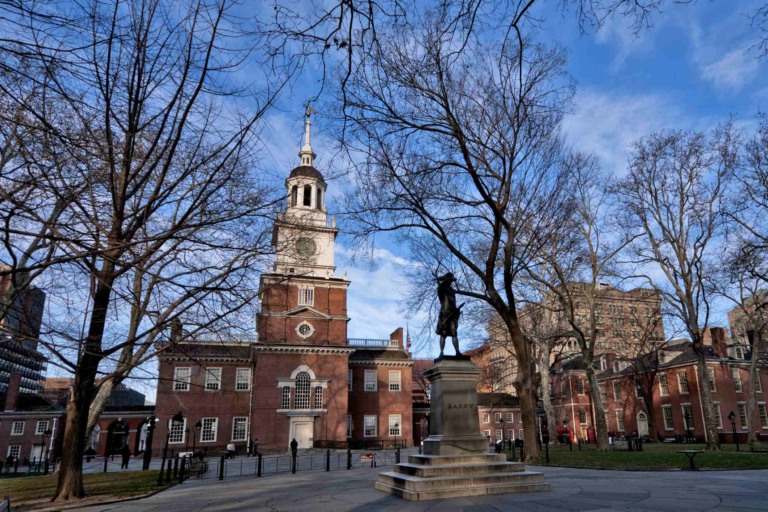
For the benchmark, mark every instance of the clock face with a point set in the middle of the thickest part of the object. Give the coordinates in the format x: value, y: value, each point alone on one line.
x: 305, y: 247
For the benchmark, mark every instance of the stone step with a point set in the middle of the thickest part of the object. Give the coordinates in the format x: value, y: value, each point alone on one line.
x: 418, y: 484
x: 528, y: 484
x: 429, y: 471
x: 447, y: 460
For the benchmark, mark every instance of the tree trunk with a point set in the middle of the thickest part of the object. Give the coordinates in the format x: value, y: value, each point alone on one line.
x: 754, y: 378
x: 710, y: 427
x: 601, y: 429
x: 100, y: 402
x: 546, y: 389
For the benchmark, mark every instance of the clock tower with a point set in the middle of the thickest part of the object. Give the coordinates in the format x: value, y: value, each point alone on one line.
x: 302, y: 301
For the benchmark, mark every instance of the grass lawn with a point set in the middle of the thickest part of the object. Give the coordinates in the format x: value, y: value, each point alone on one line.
x: 655, y: 456
x: 37, y: 489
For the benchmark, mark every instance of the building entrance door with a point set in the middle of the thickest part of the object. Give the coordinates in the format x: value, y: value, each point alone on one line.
x: 642, y: 424
x: 302, y: 431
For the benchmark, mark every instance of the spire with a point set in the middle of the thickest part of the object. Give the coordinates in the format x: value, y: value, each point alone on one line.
x: 306, y: 154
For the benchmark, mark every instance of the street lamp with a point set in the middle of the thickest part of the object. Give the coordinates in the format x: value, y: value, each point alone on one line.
x: 148, y: 442
x: 198, y: 426
x: 689, y: 425
x: 186, y: 446
x: 732, y: 418
x: 397, y: 431
x: 176, y: 421
x: 502, y: 434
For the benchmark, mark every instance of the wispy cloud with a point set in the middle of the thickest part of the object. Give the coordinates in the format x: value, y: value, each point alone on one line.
x: 731, y: 71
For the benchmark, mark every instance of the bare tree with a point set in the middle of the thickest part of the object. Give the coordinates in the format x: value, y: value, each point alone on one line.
x: 673, y: 203
x: 162, y: 216
x: 461, y: 158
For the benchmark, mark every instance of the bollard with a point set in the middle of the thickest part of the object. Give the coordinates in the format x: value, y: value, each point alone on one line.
x: 349, y: 458
x: 546, y: 448
x: 221, y: 468
x: 373, y: 461
x: 258, y: 465
x: 397, y: 456
x: 162, y: 471
x: 639, y: 444
x: 16, y: 465
x: 168, y: 470
x: 293, y: 462
x: 1, y: 467
x: 579, y: 444
x: 181, y: 471
x: 175, y: 467
x: 105, y: 463
x: 328, y: 459
x: 522, y: 455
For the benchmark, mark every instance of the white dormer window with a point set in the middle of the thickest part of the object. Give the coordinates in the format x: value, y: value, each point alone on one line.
x: 306, y: 296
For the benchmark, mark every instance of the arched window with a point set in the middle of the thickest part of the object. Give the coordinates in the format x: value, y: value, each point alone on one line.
x: 301, y: 401
x: 307, y: 195
x: 294, y: 195
x: 582, y: 416
x: 319, y: 198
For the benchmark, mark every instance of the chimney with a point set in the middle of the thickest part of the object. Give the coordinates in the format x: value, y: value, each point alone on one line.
x: 396, y: 338
x: 14, y: 387
x: 719, y: 343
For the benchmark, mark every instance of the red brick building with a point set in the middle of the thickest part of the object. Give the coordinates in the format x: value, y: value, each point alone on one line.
x: 301, y: 377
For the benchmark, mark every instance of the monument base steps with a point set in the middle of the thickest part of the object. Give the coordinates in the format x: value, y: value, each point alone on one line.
x: 429, y: 477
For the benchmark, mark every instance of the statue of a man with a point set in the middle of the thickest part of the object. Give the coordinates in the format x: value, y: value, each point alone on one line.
x: 448, y: 320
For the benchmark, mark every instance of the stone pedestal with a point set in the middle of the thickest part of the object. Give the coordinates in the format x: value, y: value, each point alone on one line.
x: 456, y: 461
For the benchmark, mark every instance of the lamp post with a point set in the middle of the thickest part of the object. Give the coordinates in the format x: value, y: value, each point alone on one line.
x: 732, y: 418
x: 186, y: 446
x: 397, y: 431
x: 177, y: 420
x: 148, y: 442
x: 198, y: 426
x: 44, y: 451
x: 689, y: 425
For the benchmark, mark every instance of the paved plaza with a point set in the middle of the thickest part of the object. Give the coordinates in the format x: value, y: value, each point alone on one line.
x: 572, y: 490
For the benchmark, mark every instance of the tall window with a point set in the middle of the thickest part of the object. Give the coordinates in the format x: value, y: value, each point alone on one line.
x: 510, y: 417
x: 319, y: 204
x: 667, y: 411
x: 395, y: 425
x: 563, y: 389
x: 18, y: 428
x: 736, y: 379
x: 742, y: 414
x: 718, y: 416
x: 369, y: 424
x: 240, y: 429
x: 177, y: 431
x: 208, y: 432
x: 370, y: 380
x: 603, y: 393
x: 620, y: 420
x: 763, y: 415
x: 499, y: 434
x: 583, y: 416
x: 511, y: 434
x: 687, y: 417
x: 349, y: 425
x: 682, y: 382
x: 294, y: 195
x: 306, y: 296
x: 487, y: 434
x: 14, y: 451
x: 663, y: 385
x: 349, y: 380
x: 616, y: 390
x: 520, y: 434
x: 307, y: 195
x: 497, y: 417
x: 580, y: 386
x: 301, y: 401
x: 243, y: 379
x: 212, y: 379
x: 759, y: 387
x: 711, y: 380
x: 318, y: 397
x: 394, y: 380
x: 41, y: 427
x: 286, y: 398
x: 181, y: 377
x: 486, y: 417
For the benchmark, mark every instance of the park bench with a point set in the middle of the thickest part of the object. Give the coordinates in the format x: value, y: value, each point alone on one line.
x: 691, y: 454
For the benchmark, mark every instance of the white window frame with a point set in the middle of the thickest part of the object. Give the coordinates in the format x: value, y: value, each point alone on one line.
x: 510, y: 417
x: 718, y: 414
x: 244, y: 421
x: 213, y: 378
x: 736, y: 376
x: 318, y: 397
x: 616, y: 391
x: 520, y: 434
x: 181, y: 382
x: 663, y: 385
x: 759, y: 387
x: 17, y: 429
x: 395, y: 377
x: 510, y: 434
x: 350, y: 373
x: 619, y: 419
x: 687, y: 411
x: 580, y: 390
x: 210, y: 426
x: 174, y: 433
x: 742, y: 408
x: 306, y: 296
x: 486, y: 417
x: 682, y: 382
x: 711, y: 379
x: 497, y: 417
x: 499, y: 434
x: 243, y: 379
x: 669, y: 423
x: 487, y: 434
x: 762, y: 413
x: 370, y: 422
x: 370, y: 380
x: 40, y: 431
x: 285, y: 398
x: 14, y: 448
x: 395, y: 419
x: 302, y: 391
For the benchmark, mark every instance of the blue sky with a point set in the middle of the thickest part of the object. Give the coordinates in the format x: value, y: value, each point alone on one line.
x: 692, y: 69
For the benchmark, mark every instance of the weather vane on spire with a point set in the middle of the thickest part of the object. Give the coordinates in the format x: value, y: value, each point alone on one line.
x: 306, y: 154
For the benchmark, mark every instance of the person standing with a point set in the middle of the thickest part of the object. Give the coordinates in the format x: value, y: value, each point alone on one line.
x: 231, y: 450
x: 126, y: 453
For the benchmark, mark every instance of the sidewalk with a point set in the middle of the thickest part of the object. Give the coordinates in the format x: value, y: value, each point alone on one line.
x: 572, y: 490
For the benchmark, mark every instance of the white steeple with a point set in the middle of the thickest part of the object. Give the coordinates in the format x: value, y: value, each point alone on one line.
x: 306, y: 154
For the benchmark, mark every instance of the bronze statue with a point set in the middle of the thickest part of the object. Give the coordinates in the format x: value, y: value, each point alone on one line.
x: 448, y: 320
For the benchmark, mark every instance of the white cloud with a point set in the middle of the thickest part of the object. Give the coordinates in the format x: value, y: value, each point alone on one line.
x: 608, y: 123
x: 731, y: 71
